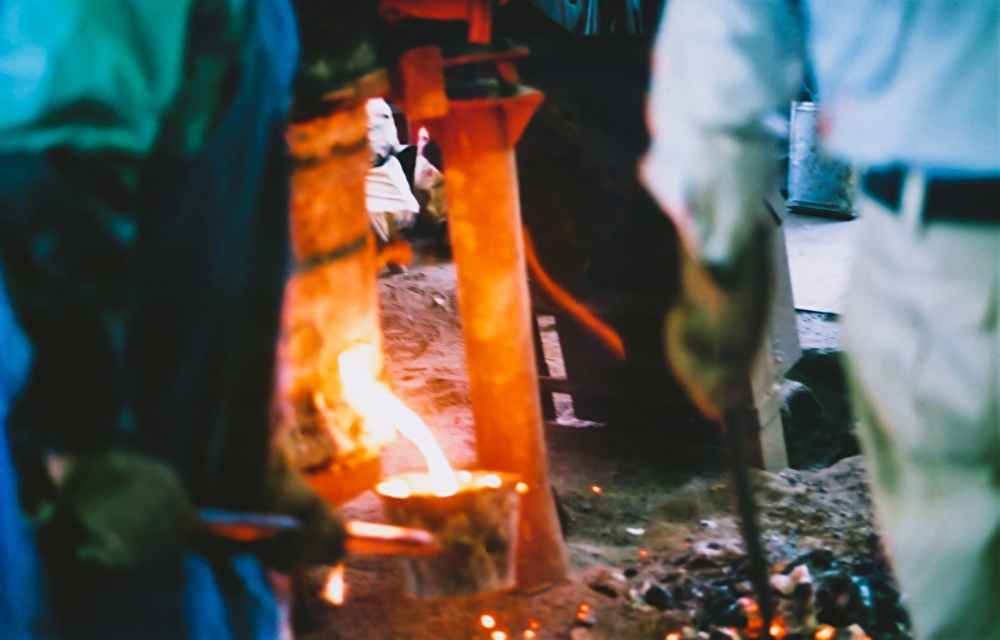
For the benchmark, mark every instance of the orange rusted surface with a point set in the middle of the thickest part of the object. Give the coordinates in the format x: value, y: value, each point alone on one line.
x: 478, y: 13
x: 478, y: 140
x: 421, y: 74
x: 331, y: 299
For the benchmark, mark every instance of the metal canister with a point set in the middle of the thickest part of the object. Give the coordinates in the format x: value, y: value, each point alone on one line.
x: 817, y: 183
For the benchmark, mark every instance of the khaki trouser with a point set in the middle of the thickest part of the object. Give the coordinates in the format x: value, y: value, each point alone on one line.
x: 920, y: 328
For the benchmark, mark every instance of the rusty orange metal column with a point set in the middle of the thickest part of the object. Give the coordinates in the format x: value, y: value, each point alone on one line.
x: 478, y: 138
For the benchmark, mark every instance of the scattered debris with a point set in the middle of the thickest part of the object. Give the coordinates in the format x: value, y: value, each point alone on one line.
x: 818, y: 595
x: 608, y: 582
x: 658, y: 597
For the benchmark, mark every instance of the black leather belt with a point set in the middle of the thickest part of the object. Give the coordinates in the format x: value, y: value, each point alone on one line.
x: 951, y: 199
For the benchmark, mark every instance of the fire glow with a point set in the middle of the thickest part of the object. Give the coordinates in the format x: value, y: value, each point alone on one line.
x: 378, y: 405
x: 336, y: 589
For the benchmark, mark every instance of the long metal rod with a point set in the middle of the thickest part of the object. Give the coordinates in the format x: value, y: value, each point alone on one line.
x: 363, y: 538
x: 738, y: 426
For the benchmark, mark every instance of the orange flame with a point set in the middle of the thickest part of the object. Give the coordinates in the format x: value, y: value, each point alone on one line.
x: 377, y: 404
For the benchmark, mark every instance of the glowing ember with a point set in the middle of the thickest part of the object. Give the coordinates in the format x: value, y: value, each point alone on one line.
x: 487, y: 621
x: 749, y: 605
x: 529, y: 634
x: 673, y: 635
x: 825, y: 632
x: 643, y: 554
x: 534, y: 625
x: 335, y: 589
x: 755, y: 622
x: 596, y: 489
x: 777, y: 629
x: 405, y: 485
x: 498, y: 635
x: 521, y: 488
x: 376, y: 403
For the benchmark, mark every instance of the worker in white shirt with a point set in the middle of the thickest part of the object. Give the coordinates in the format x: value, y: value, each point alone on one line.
x: 908, y: 93
x: 390, y: 200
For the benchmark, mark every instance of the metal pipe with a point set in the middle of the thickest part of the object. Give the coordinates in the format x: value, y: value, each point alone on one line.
x: 362, y: 538
x: 738, y: 426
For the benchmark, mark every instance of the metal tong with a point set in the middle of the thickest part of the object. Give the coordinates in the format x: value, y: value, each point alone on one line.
x: 737, y: 424
x: 363, y: 538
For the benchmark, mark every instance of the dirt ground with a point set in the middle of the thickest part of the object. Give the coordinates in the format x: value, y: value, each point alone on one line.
x: 664, y: 502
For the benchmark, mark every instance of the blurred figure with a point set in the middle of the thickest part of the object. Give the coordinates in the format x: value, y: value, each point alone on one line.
x: 388, y: 194
x: 404, y: 189
x: 143, y: 242
x: 909, y: 91
x: 428, y: 186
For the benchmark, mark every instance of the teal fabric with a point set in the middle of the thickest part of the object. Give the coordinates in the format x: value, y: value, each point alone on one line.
x: 589, y: 17
x: 143, y: 194
x: 88, y: 74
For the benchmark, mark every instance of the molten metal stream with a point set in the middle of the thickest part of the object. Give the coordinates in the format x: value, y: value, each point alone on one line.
x: 376, y: 403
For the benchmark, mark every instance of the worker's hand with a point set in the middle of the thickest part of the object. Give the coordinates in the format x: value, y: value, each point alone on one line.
x: 320, y: 538
x: 713, y: 332
x: 116, y: 511
x: 718, y: 69
x: 716, y: 198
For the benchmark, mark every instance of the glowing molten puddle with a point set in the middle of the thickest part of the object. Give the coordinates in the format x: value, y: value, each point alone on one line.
x: 374, y: 401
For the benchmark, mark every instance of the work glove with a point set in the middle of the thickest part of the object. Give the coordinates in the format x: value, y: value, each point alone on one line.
x: 320, y: 538
x: 116, y: 511
x: 716, y: 200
